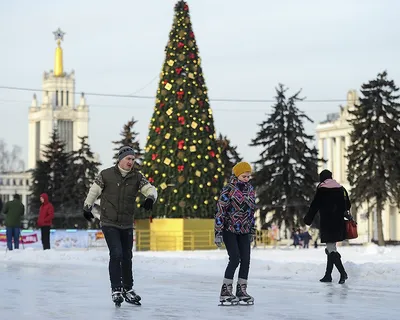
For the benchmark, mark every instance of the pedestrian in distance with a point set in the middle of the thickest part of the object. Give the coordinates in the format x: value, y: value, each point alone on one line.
x: 333, y: 203
x: 235, y: 227
x: 45, y: 220
x: 14, y: 210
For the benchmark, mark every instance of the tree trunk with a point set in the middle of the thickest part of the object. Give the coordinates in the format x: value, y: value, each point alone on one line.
x: 381, y: 241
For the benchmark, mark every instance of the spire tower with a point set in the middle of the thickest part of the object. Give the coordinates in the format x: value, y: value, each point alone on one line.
x: 58, y: 61
x: 57, y: 110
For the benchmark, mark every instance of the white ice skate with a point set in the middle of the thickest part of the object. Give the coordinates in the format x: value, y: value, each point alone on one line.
x: 227, y: 298
x: 241, y: 292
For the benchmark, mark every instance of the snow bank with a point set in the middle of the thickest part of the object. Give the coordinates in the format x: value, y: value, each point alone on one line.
x: 367, y: 263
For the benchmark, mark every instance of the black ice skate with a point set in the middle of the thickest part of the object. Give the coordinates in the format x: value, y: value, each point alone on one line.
x: 116, y: 295
x: 226, y: 296
x: 130, y: 296
x: 241, y: 292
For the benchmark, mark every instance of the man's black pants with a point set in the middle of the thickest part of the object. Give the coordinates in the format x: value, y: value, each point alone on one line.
x: 120, y: 244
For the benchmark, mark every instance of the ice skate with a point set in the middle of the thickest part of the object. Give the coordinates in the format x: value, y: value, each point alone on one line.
x: 227, y: 297
x: 117, y: 297
x: 131, y: 297
x: 241, y: 292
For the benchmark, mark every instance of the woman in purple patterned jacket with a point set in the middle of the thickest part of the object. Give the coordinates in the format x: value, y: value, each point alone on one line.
x: 234, y: 226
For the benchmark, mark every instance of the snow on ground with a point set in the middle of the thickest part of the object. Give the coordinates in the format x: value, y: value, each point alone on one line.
x: 73, y: 284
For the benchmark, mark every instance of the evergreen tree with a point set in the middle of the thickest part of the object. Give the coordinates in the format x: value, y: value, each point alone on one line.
x: 40, y: 184
x: 286, y: 174
x: 181, y: 155
x: 82, y: 170
x: 57, y: 160
x: 129, y: 138
x: 374, y: 156
x: 229, y: 155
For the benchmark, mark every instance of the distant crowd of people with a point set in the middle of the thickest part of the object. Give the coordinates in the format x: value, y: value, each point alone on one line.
x: 302, y: 237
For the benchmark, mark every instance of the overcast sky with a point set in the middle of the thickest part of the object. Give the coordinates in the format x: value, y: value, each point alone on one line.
x: 247, y: 47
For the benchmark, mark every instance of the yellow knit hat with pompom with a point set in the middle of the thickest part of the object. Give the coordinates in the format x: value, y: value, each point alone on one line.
x: 241, y: 168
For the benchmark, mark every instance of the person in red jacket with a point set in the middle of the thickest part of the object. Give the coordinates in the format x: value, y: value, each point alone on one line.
x: 45, y: 219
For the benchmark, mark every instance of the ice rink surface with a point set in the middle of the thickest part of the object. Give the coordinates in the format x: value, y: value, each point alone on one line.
x: 74, y: 284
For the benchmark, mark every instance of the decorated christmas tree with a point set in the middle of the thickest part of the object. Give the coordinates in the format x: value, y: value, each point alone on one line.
x: 182, y: 158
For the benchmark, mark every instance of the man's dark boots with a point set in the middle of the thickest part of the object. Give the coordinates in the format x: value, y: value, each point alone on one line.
x: 338, y: 263
x: 329, y: 267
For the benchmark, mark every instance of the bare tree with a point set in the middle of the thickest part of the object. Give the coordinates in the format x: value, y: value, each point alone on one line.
x: 10, y: 161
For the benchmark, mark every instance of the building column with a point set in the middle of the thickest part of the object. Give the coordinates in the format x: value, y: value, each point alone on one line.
x: 32, y: 145
x: 329, y: 154
x: 320, y: 153
x: 347, y: 143
x: 338, y: 159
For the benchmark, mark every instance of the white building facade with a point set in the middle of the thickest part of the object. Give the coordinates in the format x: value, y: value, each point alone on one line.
x: 16, y: 182
x: 333, y: 136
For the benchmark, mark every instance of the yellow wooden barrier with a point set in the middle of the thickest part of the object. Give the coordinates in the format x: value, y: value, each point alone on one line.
x: 182, y: 234
x: 174, y: 240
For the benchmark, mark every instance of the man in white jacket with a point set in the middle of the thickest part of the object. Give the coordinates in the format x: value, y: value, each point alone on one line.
x: 118, y: 187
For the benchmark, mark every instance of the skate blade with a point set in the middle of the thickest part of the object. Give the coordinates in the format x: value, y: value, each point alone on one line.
x: 246, y: 303
x: 136, y: 303
x: 228, y: 303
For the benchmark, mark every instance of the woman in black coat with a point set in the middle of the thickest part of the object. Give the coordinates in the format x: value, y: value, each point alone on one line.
x: 332, y: 201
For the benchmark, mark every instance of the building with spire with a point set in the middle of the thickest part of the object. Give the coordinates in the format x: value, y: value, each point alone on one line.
x: 57, y: 110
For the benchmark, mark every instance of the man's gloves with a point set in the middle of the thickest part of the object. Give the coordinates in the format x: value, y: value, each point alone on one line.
x: 218, y: 241
x: 148, y: 204
x: 87, y: 213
